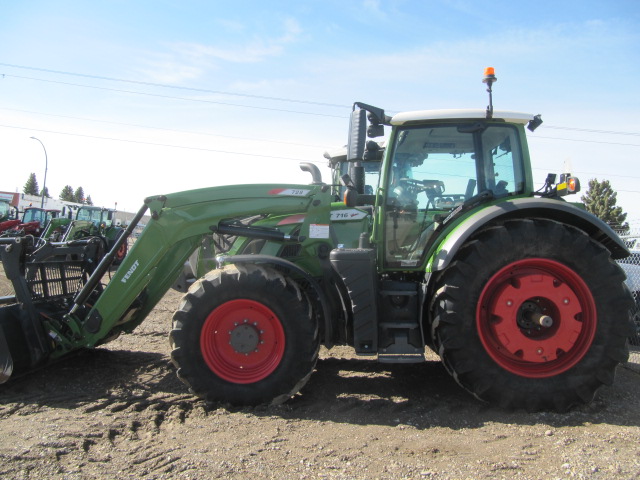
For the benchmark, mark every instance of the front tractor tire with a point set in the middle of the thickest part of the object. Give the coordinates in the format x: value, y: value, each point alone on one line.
x: 245, y: 335
x: 532, y: 314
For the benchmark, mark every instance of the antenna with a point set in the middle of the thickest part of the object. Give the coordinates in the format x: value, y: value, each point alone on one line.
x: 489, y: 78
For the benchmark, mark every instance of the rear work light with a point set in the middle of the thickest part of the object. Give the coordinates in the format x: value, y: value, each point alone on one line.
x: 568, y: 185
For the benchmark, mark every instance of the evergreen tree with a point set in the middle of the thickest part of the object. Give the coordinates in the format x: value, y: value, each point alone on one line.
x: 89, y: 201
x: 79, y: 195
x: 45, y: 192
x: 67, y: 194
x: 601, y: 200
x: 31, y: 187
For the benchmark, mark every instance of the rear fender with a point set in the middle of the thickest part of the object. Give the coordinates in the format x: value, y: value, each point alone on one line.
x: 529, y: 208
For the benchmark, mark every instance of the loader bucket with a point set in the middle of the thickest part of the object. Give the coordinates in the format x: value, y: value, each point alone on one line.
x: 6, y: 361
x: 15, y: 357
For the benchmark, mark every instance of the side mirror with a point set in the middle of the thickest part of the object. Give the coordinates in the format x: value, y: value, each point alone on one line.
x: 535, y: 122
x: 357, y: 135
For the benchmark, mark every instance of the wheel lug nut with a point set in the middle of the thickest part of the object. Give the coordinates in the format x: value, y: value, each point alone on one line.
x: 509, y: 303
x: 566, y: 301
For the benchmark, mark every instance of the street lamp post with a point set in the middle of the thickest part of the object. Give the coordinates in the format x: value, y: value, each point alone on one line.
x: 46, y: 166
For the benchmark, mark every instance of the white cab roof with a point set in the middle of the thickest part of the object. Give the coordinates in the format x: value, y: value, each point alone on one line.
x: 473, y: 113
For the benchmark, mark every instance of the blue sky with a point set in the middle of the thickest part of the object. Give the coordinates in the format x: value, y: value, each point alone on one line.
x: 135, y: 98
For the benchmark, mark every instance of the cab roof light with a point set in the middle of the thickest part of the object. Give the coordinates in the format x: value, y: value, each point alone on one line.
x: 489, y: 79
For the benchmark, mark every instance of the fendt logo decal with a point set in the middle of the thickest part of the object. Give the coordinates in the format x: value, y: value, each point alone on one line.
x: 130, y: 271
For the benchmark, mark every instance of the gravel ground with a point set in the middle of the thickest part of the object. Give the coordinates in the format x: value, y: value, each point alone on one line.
x: 120, y: 412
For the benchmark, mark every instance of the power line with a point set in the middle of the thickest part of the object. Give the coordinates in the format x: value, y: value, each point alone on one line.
x: 588, y: 173
x: 87, y: 119
x: 588, y: 141
x: 156, y: 95
x: 261, y: 97
x: 176, y: 87
x: 589, y: 130
x: 139, y: 142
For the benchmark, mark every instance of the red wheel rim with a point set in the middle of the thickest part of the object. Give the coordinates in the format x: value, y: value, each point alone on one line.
x: 514, y: 296
x: 122, y: 251
x: 242, y: 341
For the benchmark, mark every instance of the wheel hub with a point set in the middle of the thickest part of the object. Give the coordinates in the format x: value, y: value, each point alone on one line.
x: 244, y: 338
x: 535, y: 316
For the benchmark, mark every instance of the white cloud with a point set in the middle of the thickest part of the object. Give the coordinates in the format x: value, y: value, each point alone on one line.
x: 188, y: 60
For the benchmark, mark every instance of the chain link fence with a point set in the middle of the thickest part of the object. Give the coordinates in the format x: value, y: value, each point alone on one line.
x: 631, y: 266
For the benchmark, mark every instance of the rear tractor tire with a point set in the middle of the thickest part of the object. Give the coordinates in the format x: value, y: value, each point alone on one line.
x: 532, y: 314
x: 245, y: 335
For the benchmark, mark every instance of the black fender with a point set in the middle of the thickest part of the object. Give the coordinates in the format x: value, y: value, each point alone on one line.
x: 281, y: 262
x: 530, y: 208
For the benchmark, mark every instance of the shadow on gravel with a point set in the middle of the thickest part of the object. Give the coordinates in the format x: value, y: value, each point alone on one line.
x: 424, y: 396
x: 351, y: 391
x: 92, y: 375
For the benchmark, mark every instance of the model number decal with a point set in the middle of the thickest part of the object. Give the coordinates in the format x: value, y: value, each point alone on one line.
x: 130, y: 271
x: 351, y: 214
x: 291, y: 192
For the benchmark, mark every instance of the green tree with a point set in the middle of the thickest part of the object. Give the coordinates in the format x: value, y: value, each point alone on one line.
x: 67, y: 194
x: 79, y: 195
x: 45, y: 192
x: 31, y: 187
x: 600, y: 199
x: 89, y: 201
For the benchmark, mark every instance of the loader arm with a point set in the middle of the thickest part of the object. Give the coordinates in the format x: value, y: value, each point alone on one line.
x: 178, y: 223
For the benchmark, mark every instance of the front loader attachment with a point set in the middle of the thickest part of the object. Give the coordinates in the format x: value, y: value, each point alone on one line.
x: 45, y: 276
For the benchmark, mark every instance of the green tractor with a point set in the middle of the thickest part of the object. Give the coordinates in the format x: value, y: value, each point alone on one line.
x: 452, y: 249
x: 89, y: 221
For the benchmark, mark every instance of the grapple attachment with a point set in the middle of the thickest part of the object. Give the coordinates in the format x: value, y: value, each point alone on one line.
x: 45, y: 278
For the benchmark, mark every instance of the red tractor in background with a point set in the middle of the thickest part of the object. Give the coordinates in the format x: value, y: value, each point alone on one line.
x: 33, y: 222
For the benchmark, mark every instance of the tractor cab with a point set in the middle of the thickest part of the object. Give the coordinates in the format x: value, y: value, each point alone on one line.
x: 437, y: 169
x: 88, y: 221
x: 438, y: 165
x: 34, y: 221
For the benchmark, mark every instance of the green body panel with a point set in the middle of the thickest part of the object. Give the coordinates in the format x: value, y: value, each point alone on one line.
x: 459, y: 223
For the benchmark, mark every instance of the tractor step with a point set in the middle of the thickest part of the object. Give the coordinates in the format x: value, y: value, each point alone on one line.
x: 401, y: 358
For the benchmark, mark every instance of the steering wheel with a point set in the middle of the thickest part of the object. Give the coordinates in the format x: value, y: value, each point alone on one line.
x: 432, y: 187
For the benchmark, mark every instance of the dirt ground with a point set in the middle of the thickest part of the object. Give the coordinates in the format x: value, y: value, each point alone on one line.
x: 120, y: 412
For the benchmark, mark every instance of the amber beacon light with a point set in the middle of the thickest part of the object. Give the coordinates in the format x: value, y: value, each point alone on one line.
x: 489, y: 78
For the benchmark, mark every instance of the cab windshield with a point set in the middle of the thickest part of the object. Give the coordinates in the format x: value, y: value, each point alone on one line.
x: 92, y: 215
x: 434, y: 169
x: 34, y: 215
x: 4, y: 210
